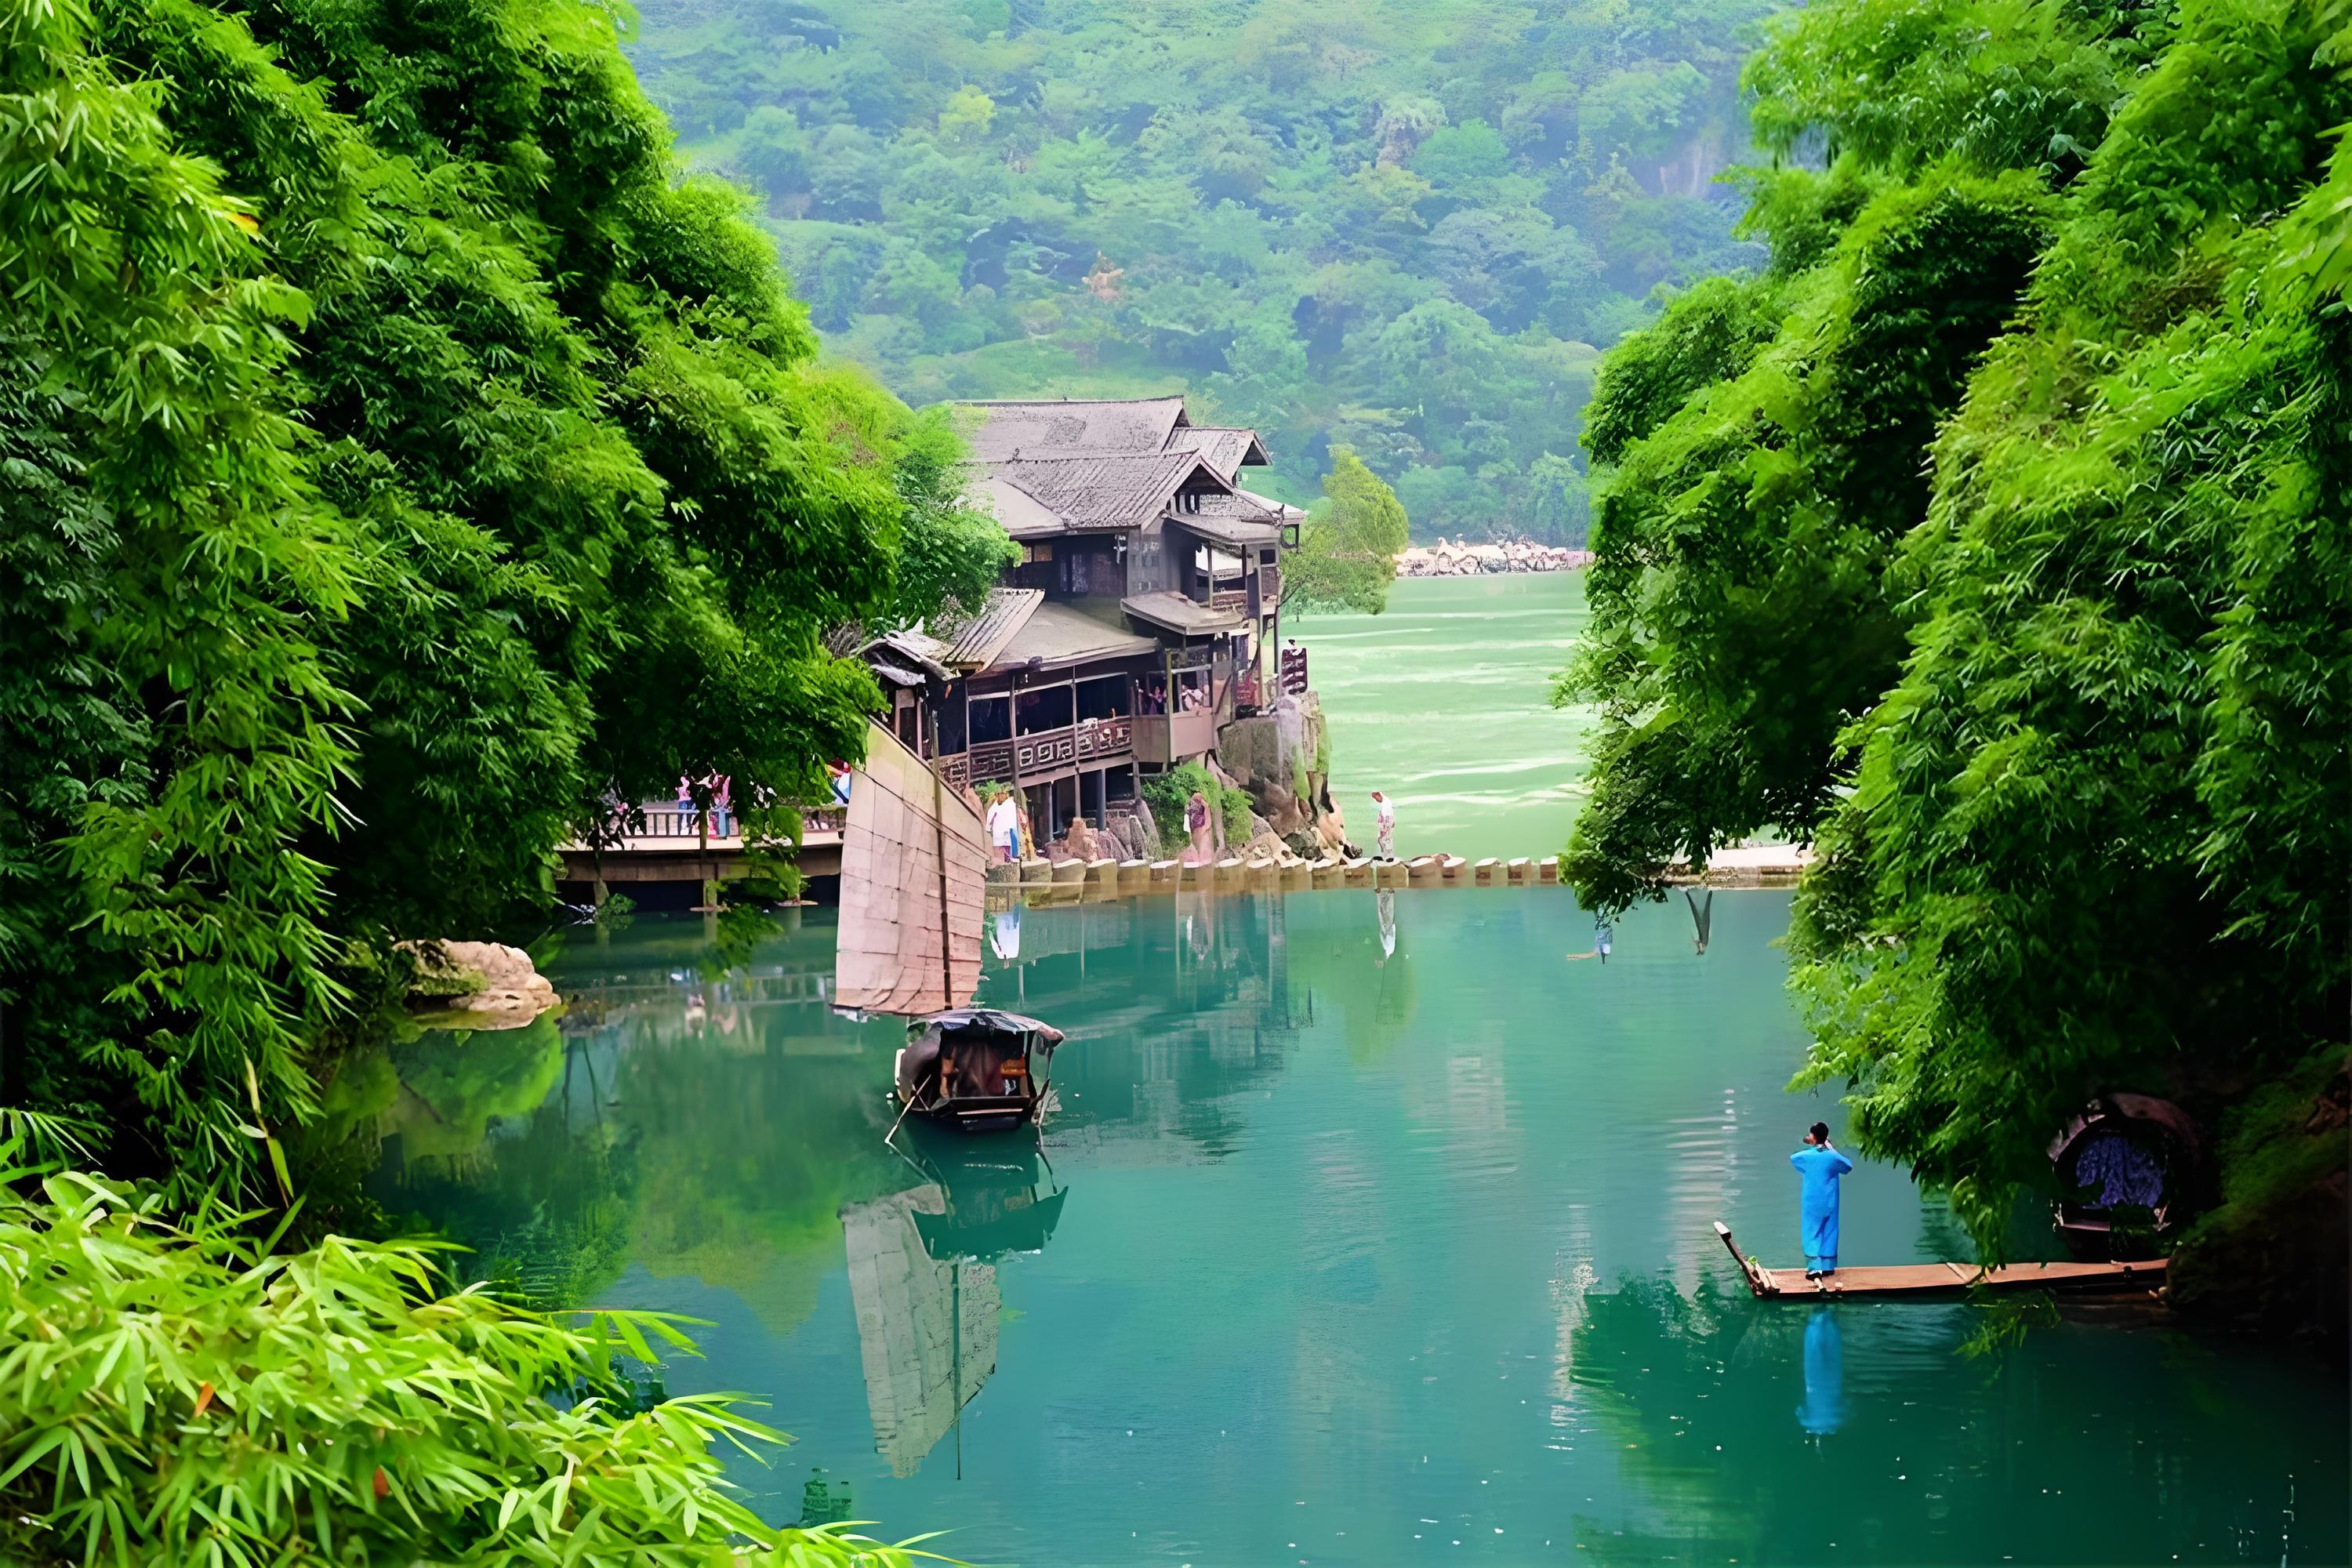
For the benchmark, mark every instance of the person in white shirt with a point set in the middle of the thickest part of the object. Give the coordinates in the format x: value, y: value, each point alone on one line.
x: 1384, y: 820
x: 1004, y: 827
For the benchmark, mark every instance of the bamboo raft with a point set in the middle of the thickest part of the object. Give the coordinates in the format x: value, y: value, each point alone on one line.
x: 1940, y: 1278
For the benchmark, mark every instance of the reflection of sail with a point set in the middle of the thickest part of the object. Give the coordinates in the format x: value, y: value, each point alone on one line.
x: 910, y: 935
x: 928, y: 1330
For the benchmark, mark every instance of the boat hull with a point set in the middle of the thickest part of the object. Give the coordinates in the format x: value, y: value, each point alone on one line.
x: 976, y: 1115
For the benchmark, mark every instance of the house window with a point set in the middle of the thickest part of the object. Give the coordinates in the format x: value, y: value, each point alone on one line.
x: 1033, y: 553
x: 991, y: 719
x: 1047, y: 708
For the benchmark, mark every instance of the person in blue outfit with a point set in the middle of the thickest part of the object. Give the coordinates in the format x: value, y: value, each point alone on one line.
x: 1819, y: 1166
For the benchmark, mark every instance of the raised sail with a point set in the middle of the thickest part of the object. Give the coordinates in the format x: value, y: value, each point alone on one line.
x: 912, y: 854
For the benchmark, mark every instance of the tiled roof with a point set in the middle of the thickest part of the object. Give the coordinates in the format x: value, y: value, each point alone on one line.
x: 984, y: 635
x: 1086, y: 428
x: 1023, y: 514
x: 1175, y: 613
x: 907, y: 657
x: 1064, y: 633
x: 1250, y: 506
x: 1226, y: 450
x: 1106, y: 492
x: 1239, y: 531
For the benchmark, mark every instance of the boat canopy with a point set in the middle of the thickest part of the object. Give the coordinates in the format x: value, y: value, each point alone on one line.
x: 992, y: 1021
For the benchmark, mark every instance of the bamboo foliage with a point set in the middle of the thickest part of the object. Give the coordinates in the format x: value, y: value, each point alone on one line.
x: 174, y: 1392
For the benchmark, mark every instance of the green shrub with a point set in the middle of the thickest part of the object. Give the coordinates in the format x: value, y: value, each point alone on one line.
x: 1168, y: 793
x: 181, y: 1394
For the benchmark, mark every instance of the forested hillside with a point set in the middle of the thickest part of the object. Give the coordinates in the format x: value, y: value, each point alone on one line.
x: 1404, y: 228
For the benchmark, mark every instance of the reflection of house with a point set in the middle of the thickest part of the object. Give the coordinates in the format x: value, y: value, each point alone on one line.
x: 927, y: 1329
x: 1140, y: 619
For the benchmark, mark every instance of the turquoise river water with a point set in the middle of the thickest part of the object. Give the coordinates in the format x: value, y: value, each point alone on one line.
x: 1370, y: 1229
x: 1443, y: 700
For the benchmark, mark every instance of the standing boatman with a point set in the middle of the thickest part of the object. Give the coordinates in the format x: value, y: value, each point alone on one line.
x: 1819, y: 1166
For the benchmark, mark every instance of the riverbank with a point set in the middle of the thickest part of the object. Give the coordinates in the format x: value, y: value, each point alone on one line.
x: 1445, y: 559
x: 1760, y: 866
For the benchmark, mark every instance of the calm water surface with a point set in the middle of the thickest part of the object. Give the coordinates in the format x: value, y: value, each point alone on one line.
x: 1443, y: 701
x: 1341, y: 1256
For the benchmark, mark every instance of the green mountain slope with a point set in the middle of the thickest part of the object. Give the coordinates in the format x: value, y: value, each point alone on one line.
x: 1407, y: 227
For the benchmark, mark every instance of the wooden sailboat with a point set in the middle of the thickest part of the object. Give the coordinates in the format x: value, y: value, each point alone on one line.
x: 912, y: 891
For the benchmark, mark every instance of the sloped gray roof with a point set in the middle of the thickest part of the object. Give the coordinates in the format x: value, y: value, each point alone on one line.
x: 1175, y: 613
x: 1023, y: 514
x: 1238, y: 531
x: 1065, y: 632
x: 984, y: 635
x: 907, y: 657
x: 1108, y: 492
x: 1227, y: 449
x: 1089, y: 428
x: 1249, y: 506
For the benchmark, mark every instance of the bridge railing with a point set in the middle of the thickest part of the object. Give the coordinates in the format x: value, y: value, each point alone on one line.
x: 665, y: 820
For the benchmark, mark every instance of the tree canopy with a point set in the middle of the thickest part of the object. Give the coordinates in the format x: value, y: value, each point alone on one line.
x: 405, y: 467
x: 1348, y: 544
x: 1996, y: 534
x: 1397, y: 227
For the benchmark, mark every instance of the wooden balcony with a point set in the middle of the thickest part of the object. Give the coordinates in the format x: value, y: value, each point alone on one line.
x: 1098, y: 742
x: 1164, y: 738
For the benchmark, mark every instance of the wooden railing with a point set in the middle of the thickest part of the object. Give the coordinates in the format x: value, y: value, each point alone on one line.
x: 1101, y: 741
x: 1229, y: 599
x: 669, y: 822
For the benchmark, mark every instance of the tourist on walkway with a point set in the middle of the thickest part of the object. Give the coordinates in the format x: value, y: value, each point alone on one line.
x: 722, y: 806
x: 1384, y: 826
x: 1004, y: 827
x: 1819, y: 1166
x: 838, y: 770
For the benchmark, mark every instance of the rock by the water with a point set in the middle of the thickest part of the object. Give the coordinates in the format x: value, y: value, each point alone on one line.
x: 476, y: 984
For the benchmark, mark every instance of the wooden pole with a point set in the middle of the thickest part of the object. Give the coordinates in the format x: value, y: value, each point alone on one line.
x: 939, y: 836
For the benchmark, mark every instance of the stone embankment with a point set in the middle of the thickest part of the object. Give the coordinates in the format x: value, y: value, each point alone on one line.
x: 1445, y: 559
x: 1768, y: 865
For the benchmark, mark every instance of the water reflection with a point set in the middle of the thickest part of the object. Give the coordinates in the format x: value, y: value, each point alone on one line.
x: 923, y: 1278
x: 1392, y: 1228
x: 1945, y: 1460
x: 1823, y: 1411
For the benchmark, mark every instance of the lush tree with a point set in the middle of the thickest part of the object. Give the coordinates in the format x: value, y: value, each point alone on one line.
x: 193, y: 1397
x: 1240, y: 201
x: 1348, y: 544
x: 370, y: 532
x: 1996, y: 534
x: 2096, y: 836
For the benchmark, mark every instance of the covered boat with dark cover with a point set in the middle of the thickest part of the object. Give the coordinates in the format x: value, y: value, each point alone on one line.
x: 972, y: 1067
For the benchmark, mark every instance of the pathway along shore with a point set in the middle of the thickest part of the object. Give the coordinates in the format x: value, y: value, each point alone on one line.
x: 1761, y: 865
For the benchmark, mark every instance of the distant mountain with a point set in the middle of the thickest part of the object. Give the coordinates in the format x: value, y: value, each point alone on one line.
x: 1405, y: 226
